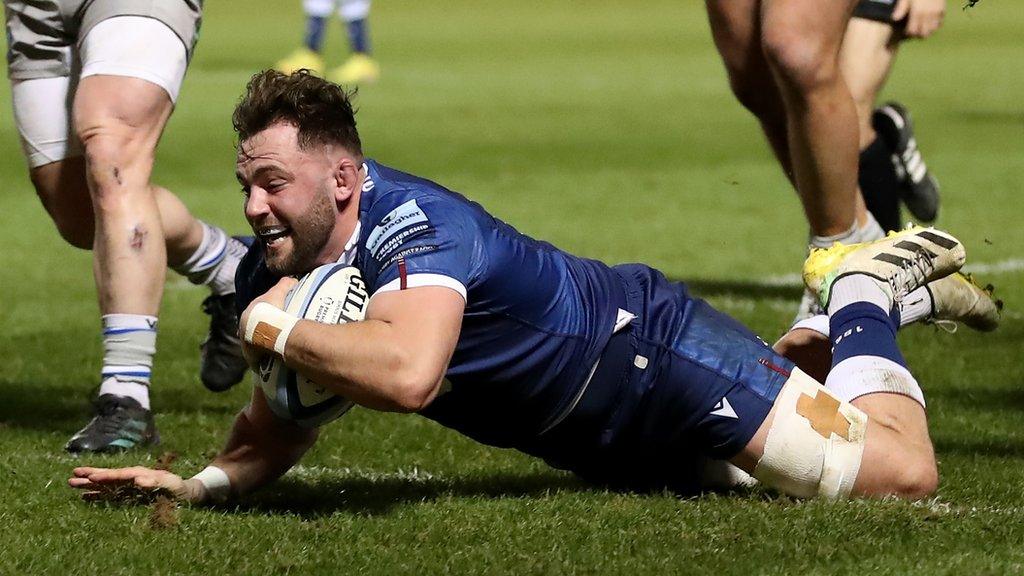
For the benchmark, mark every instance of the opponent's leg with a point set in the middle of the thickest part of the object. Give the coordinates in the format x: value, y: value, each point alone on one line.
x: 869, y: 49
x: 121, y: 105
x: 360, y: 68
x: 736, y: 29
x: 308, y: 55
x: 801, y: 41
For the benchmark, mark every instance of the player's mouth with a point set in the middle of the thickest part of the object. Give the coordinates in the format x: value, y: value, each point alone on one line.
x: 273, y: 236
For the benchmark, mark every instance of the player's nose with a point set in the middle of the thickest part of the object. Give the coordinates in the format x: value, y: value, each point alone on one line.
x: 256, y: 206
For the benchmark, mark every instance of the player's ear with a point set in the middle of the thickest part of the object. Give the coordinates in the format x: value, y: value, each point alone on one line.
x: 346, y: 178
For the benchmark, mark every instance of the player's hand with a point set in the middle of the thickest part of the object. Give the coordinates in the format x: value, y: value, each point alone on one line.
x: 923, y: 17
x: 275, y: 297
x: 136, y: 484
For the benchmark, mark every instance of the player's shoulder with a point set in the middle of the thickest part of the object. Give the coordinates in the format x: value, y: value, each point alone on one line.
x: 394, y: 201
x: 387, y: 189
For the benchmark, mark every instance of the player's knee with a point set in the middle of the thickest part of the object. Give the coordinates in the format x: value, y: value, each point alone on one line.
x: 802, y: 61
x: 915, y: 479
x: 118, y: 160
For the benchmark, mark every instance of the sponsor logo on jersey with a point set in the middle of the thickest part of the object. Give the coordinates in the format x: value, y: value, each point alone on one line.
x: 409, y: 252
x: 405, y: 216
x: 396, y: 241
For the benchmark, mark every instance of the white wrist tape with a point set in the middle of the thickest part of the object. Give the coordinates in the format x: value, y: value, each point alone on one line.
x: 268, y: 327
x: 216, y: 483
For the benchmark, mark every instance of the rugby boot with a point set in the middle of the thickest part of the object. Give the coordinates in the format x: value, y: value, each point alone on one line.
x: 222, y: 365
x: 121, y: 423
x: 959, y: 298
x: 299, y: 59
x: 900, y: 262
x: 809, y: 306
x: 358, y: 69
x: 919, y: 190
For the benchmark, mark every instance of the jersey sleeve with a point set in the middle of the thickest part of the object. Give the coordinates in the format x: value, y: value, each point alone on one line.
x: 426, y: 240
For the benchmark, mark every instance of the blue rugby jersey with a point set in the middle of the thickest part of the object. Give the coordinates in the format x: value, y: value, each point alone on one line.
x: 536, y: 317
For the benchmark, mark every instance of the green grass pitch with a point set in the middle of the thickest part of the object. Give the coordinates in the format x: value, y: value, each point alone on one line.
x: 607, y: 128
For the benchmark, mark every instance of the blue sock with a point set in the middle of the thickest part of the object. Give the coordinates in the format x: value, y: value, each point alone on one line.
x: 314, y: 39
x: 359, y: 36
x: 863, y: 329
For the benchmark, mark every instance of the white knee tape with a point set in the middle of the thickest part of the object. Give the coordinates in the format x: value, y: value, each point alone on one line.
x: 815, y: 443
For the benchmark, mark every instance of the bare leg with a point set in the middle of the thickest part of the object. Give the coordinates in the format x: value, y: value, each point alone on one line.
x: 738, y: 28
x: 801, y: 41
x: 119, y: 121
x: 869, y: 50
x: 62, y: 188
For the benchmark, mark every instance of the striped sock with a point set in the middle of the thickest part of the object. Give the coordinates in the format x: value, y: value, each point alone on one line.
x: 129, y: 343
x: 214, y: 262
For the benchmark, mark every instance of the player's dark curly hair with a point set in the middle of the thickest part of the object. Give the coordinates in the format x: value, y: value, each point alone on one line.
x: 320, y: 110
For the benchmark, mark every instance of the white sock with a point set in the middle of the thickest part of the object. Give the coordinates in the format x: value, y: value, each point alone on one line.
x: 128, y: 388
x: 129, y: 343
x: 916, y: 306
x: 818, y: 323
x: 214, y: 261
x: 851, y: 236
x: 857, y: 288
x: 861, y: 375
x: 871, y: 230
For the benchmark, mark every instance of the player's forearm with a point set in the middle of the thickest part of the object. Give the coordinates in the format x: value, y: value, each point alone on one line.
x: 370, y: 362
x: 255, y: 456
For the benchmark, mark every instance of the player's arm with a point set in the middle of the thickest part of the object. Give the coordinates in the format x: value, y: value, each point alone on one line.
x: 260, y: 448
x: 394, y: 360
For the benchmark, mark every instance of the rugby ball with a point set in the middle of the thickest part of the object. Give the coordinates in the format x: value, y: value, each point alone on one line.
x: 331, y: 294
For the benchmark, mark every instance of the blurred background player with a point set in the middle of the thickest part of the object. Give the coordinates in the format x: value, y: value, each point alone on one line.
x: 891, y: 167
x: 360, y: 68
x: 90, y: 108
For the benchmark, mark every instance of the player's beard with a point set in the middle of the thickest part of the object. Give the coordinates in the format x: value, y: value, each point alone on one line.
x: 310, y: 233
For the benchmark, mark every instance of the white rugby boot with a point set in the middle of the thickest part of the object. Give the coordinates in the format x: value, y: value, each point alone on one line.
x: 900, y: 262
x: 959, y: 298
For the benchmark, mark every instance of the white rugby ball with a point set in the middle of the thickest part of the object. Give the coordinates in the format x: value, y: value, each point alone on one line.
x: 331, y: 294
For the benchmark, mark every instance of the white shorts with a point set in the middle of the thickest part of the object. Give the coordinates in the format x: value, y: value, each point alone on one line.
x: 349, y: 10
x: 130, y: 46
